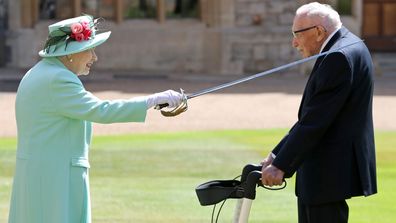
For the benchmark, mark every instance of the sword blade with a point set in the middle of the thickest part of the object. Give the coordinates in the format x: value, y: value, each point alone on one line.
x: 265, y: 73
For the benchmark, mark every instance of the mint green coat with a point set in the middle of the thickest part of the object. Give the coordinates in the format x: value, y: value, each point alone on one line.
x: 54, y: 114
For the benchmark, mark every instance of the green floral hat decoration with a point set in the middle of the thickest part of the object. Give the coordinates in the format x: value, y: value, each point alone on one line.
x: 73, y: 36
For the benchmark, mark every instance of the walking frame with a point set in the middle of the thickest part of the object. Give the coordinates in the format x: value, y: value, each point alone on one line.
x: 215, y: 191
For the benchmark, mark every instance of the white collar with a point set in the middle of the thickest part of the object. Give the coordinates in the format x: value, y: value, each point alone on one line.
x: 328, y: 39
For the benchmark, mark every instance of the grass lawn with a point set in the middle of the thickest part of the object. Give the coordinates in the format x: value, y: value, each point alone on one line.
x: 152, y: 177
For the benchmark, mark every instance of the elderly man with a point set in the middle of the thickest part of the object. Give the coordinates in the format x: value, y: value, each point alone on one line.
x: 331, y: 146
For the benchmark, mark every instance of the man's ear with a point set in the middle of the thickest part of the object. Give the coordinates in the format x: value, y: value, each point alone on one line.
x: 322, y: 33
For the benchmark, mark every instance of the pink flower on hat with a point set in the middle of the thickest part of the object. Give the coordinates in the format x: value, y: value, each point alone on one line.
x: 79, y: 37
x: 80, y: 31
x: 85, y: 24
x: 76, y: 28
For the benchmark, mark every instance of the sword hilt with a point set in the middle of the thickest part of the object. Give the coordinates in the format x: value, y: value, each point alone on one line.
x: 161, y: 106
x: 176, y: 111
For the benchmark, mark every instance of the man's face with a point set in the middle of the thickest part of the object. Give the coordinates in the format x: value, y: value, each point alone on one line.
x: 308, y: 36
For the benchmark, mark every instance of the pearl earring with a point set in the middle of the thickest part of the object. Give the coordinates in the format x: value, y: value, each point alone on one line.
x: 70, y: 60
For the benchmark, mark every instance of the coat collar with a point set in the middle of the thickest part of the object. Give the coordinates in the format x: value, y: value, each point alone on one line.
x: 342, y: 32
x: 54, y: 61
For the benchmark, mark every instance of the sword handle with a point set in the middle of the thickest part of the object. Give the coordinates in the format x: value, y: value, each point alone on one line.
x: 161, y: 106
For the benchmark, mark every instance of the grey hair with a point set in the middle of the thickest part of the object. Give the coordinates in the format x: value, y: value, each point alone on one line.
x: 323, y: 13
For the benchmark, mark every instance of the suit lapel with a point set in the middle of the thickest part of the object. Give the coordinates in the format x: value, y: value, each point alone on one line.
x: 339, y: 34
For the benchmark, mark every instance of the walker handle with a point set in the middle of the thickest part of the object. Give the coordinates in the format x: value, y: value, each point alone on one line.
x: 250, y: 168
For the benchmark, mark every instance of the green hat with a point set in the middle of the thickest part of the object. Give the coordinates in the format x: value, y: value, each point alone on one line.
x: 72, y: 36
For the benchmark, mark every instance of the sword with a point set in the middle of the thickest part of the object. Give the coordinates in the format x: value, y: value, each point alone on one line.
x: 183, y: 106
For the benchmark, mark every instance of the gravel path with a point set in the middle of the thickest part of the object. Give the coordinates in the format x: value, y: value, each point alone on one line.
x: 269, y: 102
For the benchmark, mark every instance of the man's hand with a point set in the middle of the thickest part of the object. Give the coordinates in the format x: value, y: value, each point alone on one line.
x: 267, y: 161
x: 271, y: 175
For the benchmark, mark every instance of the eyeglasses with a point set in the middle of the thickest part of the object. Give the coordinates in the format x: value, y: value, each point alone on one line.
x: 302, y: 30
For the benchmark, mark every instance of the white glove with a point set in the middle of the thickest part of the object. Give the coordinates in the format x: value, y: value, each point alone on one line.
x: 170, y: 97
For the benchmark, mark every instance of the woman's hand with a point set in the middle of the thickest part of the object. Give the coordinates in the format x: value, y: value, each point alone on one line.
x: 170, y: 97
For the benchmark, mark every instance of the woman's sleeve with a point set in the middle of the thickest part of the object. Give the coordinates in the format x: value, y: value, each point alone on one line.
x: 72, y: 100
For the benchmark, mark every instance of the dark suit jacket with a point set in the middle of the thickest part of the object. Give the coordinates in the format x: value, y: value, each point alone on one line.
x: 332, y: 144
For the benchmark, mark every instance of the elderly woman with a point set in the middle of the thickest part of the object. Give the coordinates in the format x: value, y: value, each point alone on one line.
x: 54, y: 114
